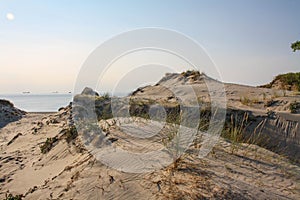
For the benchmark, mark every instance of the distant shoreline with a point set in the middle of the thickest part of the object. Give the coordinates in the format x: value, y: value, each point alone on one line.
x: 42, y: 113
x: 47, y: 103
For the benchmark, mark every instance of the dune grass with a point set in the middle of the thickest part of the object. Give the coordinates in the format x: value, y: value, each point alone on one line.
x: 13, y: 197
x: 48, y: 145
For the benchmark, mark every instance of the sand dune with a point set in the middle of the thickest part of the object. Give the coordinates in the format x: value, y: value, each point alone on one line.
x: 67, y: 172
x: 68, y: 169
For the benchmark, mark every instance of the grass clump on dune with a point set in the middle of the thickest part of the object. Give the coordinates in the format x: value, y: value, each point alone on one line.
x: 47, y: 146
x: 13, y: 197
x: 234, y: 130
x: 69, y: 133
x: 294, y: 107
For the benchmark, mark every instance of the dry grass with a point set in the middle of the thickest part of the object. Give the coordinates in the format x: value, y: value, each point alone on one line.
x: 249, y: 101
x: 9, y: 196
x: 48, y: 145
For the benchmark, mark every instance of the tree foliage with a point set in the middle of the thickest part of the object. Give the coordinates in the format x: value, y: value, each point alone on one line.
x: 295, y: 46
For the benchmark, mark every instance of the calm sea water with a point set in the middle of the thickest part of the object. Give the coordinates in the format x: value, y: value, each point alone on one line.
x: 39, y: 102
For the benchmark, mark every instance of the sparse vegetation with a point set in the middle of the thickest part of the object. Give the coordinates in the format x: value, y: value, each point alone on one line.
x: 106, y: 96
x: 296, y: 93
x: 264, y: 96
x: 13, y: 197
x: 275, y: 95
x: 269, y: 103
x: 140, y: 108
x: 294, y: 107
x: 47, y: 146
x: 190, y: 73
x: 103, y: 106
x: 69, y: 133
x: 245, y: 100
x: 284, y: 93
x: 249, y: 101
x: 257, y: 137
x: 87, y: 104
x: 235, y: 130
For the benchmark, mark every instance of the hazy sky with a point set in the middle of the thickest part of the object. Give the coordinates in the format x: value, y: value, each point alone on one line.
x: 44, y: 43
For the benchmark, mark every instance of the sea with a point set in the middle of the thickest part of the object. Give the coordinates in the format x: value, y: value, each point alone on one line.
x: 43, y: 102
x: 38, y: 102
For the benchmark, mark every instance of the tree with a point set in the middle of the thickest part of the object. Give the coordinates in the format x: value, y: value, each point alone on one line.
x: 295, y: 46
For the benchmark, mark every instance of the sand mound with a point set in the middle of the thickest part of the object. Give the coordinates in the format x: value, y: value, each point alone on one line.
x: 289, y: 81
x: 274, y: 113
x: 8, y: 113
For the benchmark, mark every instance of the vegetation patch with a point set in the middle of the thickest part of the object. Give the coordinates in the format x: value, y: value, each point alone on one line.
x: 295, y: 107
x: 289, y: 81
x: 235, y: 129
x: 48, y: 145
x: 69, y: 133
x: 13, y: 197
x: 248, y: 101
x: 191, y: 73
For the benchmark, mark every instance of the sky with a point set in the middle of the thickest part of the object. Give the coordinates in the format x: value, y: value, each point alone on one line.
x: 43, y: 44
